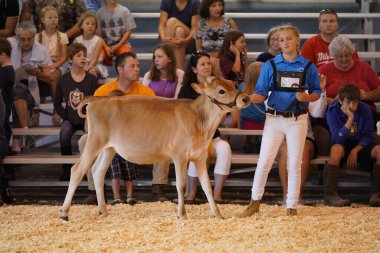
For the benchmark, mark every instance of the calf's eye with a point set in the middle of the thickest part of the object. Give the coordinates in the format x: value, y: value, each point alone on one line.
x: 222, y: 92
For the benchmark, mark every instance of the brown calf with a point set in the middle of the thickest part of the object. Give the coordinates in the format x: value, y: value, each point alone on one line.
x: 147, y: 130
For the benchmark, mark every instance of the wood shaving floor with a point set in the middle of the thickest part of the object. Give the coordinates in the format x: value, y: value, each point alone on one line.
x: 154, y: 227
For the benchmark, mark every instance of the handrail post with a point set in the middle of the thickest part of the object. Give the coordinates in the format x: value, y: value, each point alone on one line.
x: 367, y: 24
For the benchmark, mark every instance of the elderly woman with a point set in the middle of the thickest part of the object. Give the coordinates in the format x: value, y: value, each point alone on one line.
x: 273, y: 45
x: 345, y: 69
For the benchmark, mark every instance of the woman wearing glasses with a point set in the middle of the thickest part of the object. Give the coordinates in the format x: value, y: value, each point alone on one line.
x: 345, y: 69
x: 273, y: 46
x: 198, y: 69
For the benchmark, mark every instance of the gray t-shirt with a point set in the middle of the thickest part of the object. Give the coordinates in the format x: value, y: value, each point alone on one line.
x: 113, y: 24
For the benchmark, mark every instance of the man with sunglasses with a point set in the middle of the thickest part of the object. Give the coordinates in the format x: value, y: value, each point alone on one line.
x: 315, y: 48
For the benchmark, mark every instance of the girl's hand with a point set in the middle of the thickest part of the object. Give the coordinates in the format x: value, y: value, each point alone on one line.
x: 108, y: 52
x: 302, y: 96
x: 114, y: 48
x: 234, y: 49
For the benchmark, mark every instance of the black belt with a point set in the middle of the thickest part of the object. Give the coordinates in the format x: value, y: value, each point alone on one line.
x: 286, y: 114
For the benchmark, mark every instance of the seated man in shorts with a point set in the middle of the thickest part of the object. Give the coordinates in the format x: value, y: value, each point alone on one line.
x: 351, y: 126
x: 32, y: 76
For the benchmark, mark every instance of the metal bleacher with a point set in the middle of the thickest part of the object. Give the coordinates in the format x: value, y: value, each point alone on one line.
x: 147, y: 39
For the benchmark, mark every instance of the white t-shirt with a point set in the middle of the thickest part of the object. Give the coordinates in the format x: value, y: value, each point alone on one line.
x: 114, y: 24
x: 51, y: 43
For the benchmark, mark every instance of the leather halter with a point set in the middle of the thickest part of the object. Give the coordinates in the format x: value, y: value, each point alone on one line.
x: 229, y: 105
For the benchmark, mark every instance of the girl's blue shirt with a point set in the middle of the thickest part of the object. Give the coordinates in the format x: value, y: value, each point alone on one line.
x: 282, y: 100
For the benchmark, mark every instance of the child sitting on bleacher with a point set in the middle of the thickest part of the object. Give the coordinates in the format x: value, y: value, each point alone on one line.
x: 115, y: 25
x: 252, y: 117
x: 165, y: 80
x: 94, y: 45
x: 212, y: 27
x: 56, y: 44
x: 233, y: 57
x: 351, y: 126
x: 72, y: 88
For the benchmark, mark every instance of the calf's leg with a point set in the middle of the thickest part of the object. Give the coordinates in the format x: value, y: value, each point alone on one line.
x: 206, y: 186
x: 99, y: 171
x: 90, y: 152
x: 180, y: 175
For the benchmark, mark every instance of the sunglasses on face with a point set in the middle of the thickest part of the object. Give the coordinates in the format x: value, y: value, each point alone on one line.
x: 324, y: 11
x: 199, y: 52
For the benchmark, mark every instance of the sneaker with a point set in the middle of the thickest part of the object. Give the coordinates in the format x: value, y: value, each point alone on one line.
x: 116, y: 201
x: 56, y: 120
x: 131, y: 201
x: 35, y: 119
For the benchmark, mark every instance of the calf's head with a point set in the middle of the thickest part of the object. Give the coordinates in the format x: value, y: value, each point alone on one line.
x: 223, y: 93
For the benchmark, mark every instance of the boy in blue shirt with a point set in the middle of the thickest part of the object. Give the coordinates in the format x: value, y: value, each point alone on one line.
x: 351, y: 127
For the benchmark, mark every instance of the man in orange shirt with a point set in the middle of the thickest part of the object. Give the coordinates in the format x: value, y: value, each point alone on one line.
x: 316, y: 48
x: 128, y: 70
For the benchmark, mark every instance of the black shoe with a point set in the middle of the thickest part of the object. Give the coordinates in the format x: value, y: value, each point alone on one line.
x: 64, y: 177
x: 8, y: 196
x: 66, y: 171
x: 158, y: 194
x: 90, y: 200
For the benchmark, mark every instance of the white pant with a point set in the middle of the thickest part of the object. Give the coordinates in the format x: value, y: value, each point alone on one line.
x: 222, y: 151
x: 276, y: 127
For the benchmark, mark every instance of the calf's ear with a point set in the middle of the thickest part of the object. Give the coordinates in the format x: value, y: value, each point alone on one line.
x: 197, y: 87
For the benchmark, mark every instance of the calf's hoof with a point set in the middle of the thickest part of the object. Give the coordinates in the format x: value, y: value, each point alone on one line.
x: 291, y: 212
x: 219, y: 217
x: 182, y: 216
x: 65, y: 218
x: 103, y: 213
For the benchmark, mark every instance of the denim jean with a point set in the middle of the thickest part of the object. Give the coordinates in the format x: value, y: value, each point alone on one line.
x: 67, y: 131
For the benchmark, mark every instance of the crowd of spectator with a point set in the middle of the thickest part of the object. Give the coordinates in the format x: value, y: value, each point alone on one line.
x: 63, y: 48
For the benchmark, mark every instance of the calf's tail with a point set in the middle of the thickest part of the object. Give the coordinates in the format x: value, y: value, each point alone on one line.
x: 82, y: 107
